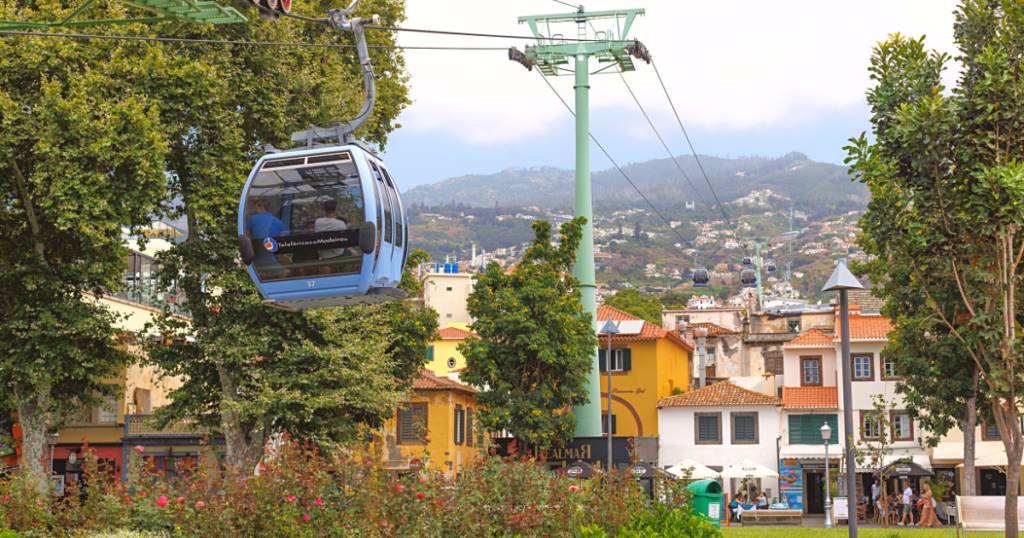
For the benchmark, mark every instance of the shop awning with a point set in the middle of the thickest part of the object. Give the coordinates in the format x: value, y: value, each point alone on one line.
x: 921, y: 460
x: 697, y: 471
x: 997, y: 461
x: 749, y: 469
x: 953, y: 451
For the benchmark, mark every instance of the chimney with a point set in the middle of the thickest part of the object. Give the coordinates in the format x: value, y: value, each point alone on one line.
x: 768, y: 384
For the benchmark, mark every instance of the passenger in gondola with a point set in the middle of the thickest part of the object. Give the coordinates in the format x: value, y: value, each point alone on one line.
x: 303, y: 259
x: 261, y: 225
x: 328, y: 223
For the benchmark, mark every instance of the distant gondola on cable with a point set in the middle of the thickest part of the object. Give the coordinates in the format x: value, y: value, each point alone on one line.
x: 748, y: 278
x: 771, y: 267
x: 324, y: 225
x: 746, y: 261
x: 701, y: 277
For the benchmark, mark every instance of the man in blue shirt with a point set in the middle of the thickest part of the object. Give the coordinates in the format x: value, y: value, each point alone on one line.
x: 262, y: 225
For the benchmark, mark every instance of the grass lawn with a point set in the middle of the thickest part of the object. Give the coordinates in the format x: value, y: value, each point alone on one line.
x: 809, y: 532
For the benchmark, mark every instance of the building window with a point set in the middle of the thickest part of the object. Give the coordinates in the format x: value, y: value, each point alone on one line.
x: 869, y: 429
x: 430, y: 353
x: 412, y: 423
x: 793, y: 325
x: 449, y: 289
x: 108, y: 411
x: 708, y: 428
x: 806, y: 429
x: 460, y: 425
x: 862, y: 367
x: 604, y: 424
x: 469, y: 426
x: 990, y: 433
x: 622, y: 360
x: 682, y: 319
x: 448, y: 315
x: 889, y: 368
x: 744, y: 428
x: 811, y: 372
x: 774, y: 364
x: 902, y: 427
x: 451, y: 362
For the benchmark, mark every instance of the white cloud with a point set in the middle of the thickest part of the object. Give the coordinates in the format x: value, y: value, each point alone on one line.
x: 729, y: 64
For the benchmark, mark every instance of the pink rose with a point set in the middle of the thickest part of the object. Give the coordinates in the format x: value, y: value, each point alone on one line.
x: 200, y: 504
x: 319, y: 502
x: 306, y: 518
x: 369, y: 463
x: 423, y: 481
x: 420, y: 495
x: 181, y: 500
x: 574, y: 488
x: 143, y: 493
x: 400, y: 488
x: 140, y: 448
x: 161, y: 501
x: 291, y: 498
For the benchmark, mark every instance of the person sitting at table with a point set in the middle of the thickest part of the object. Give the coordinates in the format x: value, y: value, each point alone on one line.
x: 734, y: 507
x: 762, y: 501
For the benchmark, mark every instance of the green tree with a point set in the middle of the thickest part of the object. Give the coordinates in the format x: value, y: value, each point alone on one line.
x: 947, y: 187
x: 638, y: 230
x: 536, y: 342
x: 79, y: 160
x: 642, y: 306
x: 224, y: 106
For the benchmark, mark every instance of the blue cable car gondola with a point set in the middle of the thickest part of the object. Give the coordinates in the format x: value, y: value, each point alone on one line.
x: 324, y: 225
x: 746, y: 262
x: 771, y: 267
x: 748, y: 278
x: 701, y: 277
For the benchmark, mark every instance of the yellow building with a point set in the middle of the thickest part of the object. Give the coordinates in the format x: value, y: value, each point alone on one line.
x: 647, y: 364
x: 435, y: 425
x: 443, y: 355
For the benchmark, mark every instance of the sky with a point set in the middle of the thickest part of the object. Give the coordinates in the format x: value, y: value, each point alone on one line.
x: 747, y: 77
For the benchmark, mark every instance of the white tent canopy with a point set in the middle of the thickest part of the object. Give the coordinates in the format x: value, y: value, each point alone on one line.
x: 749, y: 469
x: 697, y: 471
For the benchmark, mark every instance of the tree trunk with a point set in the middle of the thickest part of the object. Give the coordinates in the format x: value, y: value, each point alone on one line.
x: 242, y: 453
x: 1012, y: 436
x: 969, y: 423
x: 33, y: 405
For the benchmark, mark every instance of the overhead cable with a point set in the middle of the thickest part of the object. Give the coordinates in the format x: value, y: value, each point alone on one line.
x: 617, y: 167
x: 222, y: 42
x: 701, y: 166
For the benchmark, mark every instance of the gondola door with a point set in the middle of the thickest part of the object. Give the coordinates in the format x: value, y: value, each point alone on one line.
x: 383, y: 265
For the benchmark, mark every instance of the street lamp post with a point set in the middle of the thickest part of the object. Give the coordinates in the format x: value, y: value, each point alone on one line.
x: 53, y: 444
x: 826, y: 433
x: 609, y: 329
x: 841, y: 281
x: 701, y: 333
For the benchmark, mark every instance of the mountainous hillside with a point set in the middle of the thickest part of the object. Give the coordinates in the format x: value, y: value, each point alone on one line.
x: 817, y: 188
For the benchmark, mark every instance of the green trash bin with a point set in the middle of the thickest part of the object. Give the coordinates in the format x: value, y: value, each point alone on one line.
x: 706, y: 499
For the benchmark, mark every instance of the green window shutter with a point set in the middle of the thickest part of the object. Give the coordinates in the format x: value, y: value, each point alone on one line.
x: 744, y: 427
x: 627, y: 359
x: 602, y: 360
x: 992, y: 432
x: 615, y: 425
x: 795, y: 429
x: 430, y: 354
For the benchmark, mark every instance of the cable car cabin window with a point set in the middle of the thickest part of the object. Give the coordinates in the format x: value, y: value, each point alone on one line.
x: 380, y: 213
x: 303, y: 217
x: 387, y: 203
x: 399, y: 227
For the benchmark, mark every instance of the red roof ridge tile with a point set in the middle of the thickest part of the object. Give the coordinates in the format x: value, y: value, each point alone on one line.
x: 813, y: 337
x: 430, y: 381
x: 724, y: 393
x: 810, y: 397
x: 455, y: 333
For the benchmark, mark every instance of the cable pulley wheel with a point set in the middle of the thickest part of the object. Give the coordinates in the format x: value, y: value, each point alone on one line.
x: 286, y: 6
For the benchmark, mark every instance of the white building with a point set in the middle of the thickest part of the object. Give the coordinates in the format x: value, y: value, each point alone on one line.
x: 719, y: 426
x: 448, y: 293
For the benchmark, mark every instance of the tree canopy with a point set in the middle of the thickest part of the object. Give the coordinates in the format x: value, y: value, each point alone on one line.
x: 642, y: 306
x: 536, y: 342
x: 947, y: 192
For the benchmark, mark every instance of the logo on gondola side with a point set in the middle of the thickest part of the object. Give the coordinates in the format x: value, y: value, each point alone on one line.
x: 270, y: 244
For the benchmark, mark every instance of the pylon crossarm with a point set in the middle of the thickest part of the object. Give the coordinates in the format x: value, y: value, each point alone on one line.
x: 207, y: 12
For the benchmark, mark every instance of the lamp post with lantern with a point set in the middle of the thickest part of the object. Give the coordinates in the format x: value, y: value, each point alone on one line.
x: 826, y: 433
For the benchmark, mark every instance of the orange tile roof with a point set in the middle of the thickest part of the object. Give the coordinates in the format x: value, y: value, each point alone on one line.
x: 812, y: 338
x: 649, y: 331
x: 454, y: 333
x: 810, y: 397
x: 865, y: 327
x: 430, y: 381
x: 714, y: 330
x: 719, y: 394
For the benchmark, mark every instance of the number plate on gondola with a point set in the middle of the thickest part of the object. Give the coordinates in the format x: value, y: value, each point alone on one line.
x: 288, y: 244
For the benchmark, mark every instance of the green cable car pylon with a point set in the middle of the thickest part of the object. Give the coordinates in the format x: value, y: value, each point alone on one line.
x: 601, y: 35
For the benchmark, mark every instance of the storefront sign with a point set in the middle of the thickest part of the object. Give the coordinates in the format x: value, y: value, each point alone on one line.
x: 589, y: 449
x: 840, y: 508
x: 791, y: 484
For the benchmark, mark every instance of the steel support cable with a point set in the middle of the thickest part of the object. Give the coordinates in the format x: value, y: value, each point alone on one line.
x: 221, y: 42
x: 566, y: 4
x: 617, y: 167
x: 701, y: 166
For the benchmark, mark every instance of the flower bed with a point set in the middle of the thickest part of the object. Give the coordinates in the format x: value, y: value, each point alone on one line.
x: 302, y: 493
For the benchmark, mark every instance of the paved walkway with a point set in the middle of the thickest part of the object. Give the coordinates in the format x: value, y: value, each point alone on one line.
x: 818, y: 521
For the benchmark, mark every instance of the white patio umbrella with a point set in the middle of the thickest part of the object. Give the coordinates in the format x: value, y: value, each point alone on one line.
x: 749, y: 469
x: 697, y: 471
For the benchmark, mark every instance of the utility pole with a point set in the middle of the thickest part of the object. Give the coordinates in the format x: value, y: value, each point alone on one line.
x: 554, y: 56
